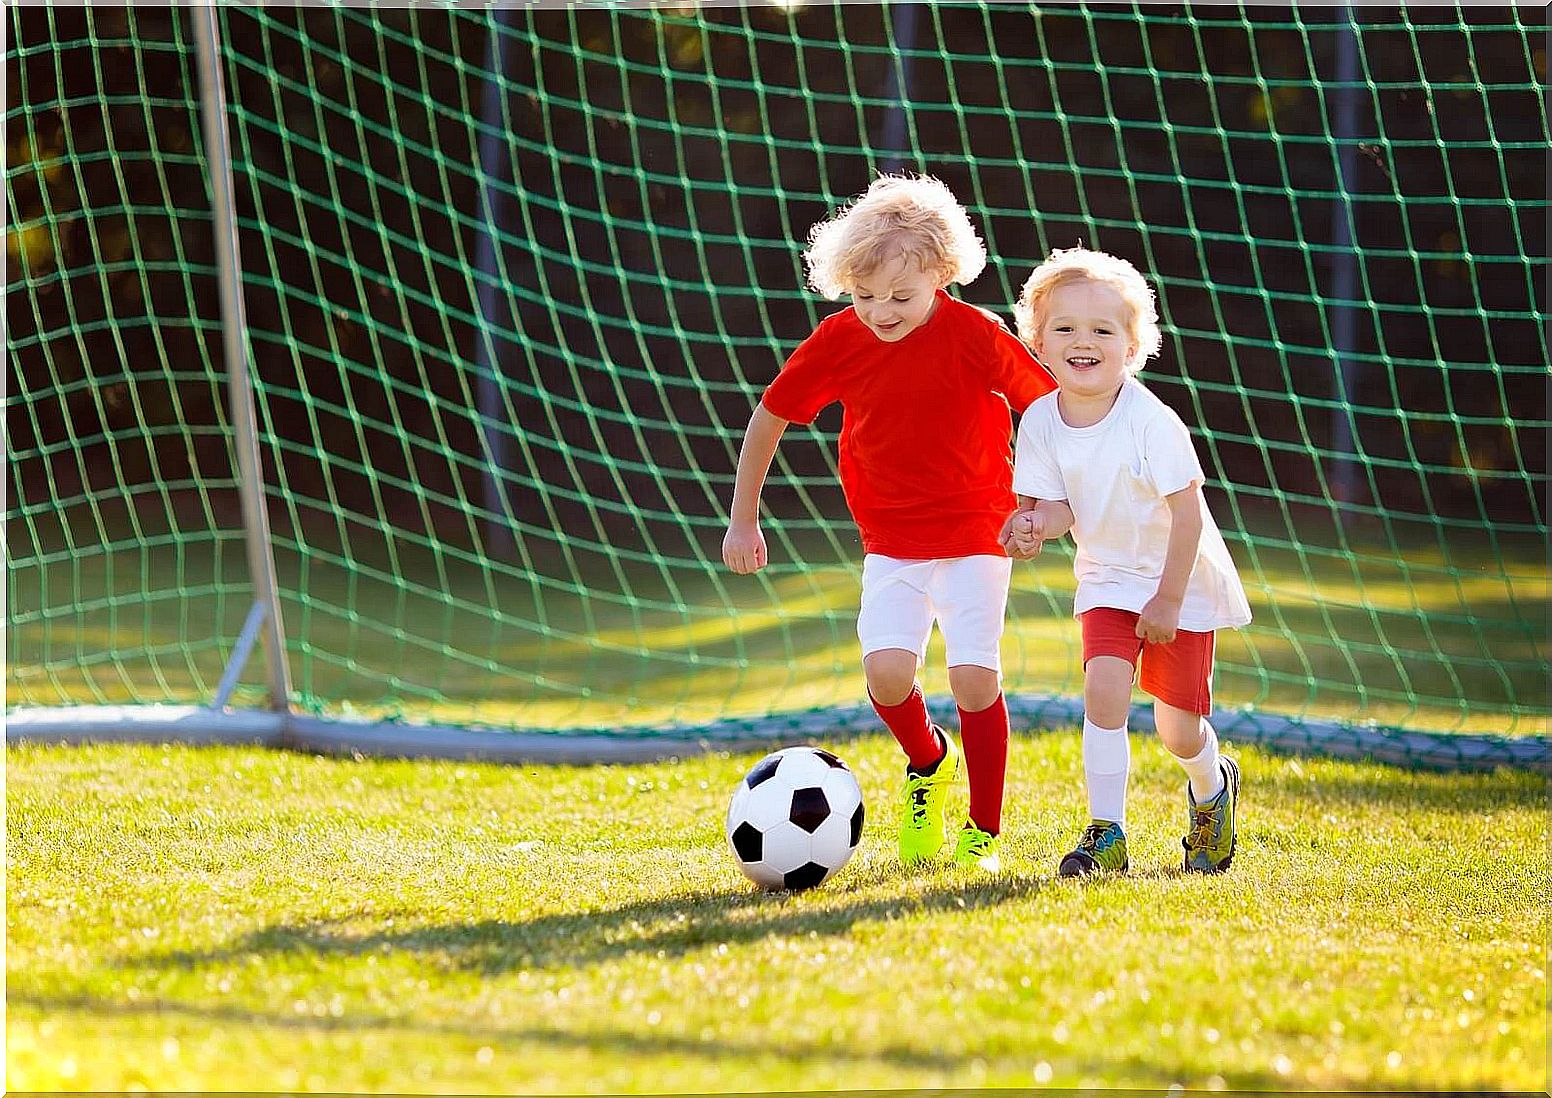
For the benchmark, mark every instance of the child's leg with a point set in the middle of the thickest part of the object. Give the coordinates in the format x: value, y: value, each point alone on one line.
x: 1110, y: 651
x: 983, y: 731
x: 892, y: 625
x: 1187, y: 736
x: 1110, y: 647
x: 970, y: 598
x: 897, y: 699
x: 1107, y: 753
x: 1179, y: 676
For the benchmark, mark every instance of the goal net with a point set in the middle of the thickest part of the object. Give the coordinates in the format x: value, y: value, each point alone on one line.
x: 514, y: 279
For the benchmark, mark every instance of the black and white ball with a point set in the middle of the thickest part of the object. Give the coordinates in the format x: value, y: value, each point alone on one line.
x: 795, y: 818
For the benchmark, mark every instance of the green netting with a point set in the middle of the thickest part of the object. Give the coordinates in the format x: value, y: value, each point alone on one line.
x: 515, y: 278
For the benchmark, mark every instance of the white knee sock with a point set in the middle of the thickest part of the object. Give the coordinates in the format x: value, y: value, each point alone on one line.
x: 1107, y: 757
x: 1203, y: 769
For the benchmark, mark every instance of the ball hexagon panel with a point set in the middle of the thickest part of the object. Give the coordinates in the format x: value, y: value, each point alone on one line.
x: 832, y: 842
x: 801, y: 766
x: 842, y: 791
x: 786, y: 847
x: 769, y: 804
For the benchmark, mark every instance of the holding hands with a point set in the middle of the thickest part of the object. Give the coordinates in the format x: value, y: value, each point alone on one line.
x: 1024, y: 535
x: 1027, y: 530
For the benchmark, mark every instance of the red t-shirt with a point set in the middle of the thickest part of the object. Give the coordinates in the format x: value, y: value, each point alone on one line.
x: 926, y: 463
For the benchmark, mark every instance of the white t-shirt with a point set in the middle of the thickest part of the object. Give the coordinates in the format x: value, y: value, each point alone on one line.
x: 1115, y: 475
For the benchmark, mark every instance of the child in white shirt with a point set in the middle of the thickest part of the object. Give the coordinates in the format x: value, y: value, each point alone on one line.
x: 1154, y: 576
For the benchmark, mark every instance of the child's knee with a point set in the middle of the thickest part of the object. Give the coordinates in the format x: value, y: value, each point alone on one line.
x: 1180, y: 730
x: 974, y: 687
x: 891, y: 675
x: 1107, y: 690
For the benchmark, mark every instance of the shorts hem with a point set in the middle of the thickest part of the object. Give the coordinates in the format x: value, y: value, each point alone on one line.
x: 880, y: 644
x: 1200, y: 708
x: 976, y: 660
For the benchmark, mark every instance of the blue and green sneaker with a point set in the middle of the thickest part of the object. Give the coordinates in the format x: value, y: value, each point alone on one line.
x: 1210, y: 842
x: 923, y: 819
x: 977, y: 849
x: 1102, y: 849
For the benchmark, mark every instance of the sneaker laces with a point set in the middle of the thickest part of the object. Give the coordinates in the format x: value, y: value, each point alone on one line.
x: 916, y: 798
x: 1202, y: 830
x: 975, y: 842
x: 1091, y: 836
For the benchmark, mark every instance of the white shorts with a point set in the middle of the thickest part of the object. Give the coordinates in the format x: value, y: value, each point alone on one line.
x: 968, y: 597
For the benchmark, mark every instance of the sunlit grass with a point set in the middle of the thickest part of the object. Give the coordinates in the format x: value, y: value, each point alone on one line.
x: 184, y: 919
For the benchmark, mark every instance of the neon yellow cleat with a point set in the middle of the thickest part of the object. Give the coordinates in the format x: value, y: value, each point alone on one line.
x: 923, y: 800
x: 977, y: 849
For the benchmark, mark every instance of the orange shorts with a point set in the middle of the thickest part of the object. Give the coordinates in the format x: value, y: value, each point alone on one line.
x: 1178, y: 673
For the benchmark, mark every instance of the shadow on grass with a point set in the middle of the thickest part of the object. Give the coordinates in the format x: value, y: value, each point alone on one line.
x: 606, y: 1041
x: 649, y: 1040
x: 668, y: 926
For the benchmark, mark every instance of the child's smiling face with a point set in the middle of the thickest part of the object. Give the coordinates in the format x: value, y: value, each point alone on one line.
x: 1085, y: 338
x: 895, y: 298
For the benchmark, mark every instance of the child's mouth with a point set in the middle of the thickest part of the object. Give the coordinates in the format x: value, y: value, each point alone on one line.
x: 1080, y: 363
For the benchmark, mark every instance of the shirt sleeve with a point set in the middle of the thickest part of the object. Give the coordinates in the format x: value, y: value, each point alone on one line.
x: 806, y: 382
x: 1019, y: 375
x: 1170, y: 455
x: 1035, y: 471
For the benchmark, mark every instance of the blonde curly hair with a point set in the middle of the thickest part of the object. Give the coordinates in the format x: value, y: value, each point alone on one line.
x: 1082, y: 264
x: 915, y: 216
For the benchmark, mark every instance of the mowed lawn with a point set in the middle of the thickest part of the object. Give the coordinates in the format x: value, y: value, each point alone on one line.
x: 232, y: 919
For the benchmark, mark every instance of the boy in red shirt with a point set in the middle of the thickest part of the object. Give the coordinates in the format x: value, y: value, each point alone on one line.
x: 925, y: 382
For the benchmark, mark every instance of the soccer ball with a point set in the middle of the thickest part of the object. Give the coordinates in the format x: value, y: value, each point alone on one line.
x: 795, y: 818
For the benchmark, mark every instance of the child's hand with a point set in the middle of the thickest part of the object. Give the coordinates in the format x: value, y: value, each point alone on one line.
x: 1159, y: 619
x: 1025, y: 535
x: 743, y: 548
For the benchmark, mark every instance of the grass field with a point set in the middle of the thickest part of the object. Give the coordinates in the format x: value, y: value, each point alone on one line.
x: 196, y: 919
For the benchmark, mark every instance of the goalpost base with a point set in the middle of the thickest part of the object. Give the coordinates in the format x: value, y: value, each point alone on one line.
x: 198, y: 725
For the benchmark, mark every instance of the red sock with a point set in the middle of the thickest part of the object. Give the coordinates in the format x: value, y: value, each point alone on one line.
x: 912, y: 727
x: 984, y: 735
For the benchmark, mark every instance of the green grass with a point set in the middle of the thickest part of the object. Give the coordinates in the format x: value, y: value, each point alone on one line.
x: 191, y: 919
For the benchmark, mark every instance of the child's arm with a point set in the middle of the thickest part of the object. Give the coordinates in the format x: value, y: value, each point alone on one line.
x: 743, y: 546
x: 1027, y: 529
x: 1160, y: 618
